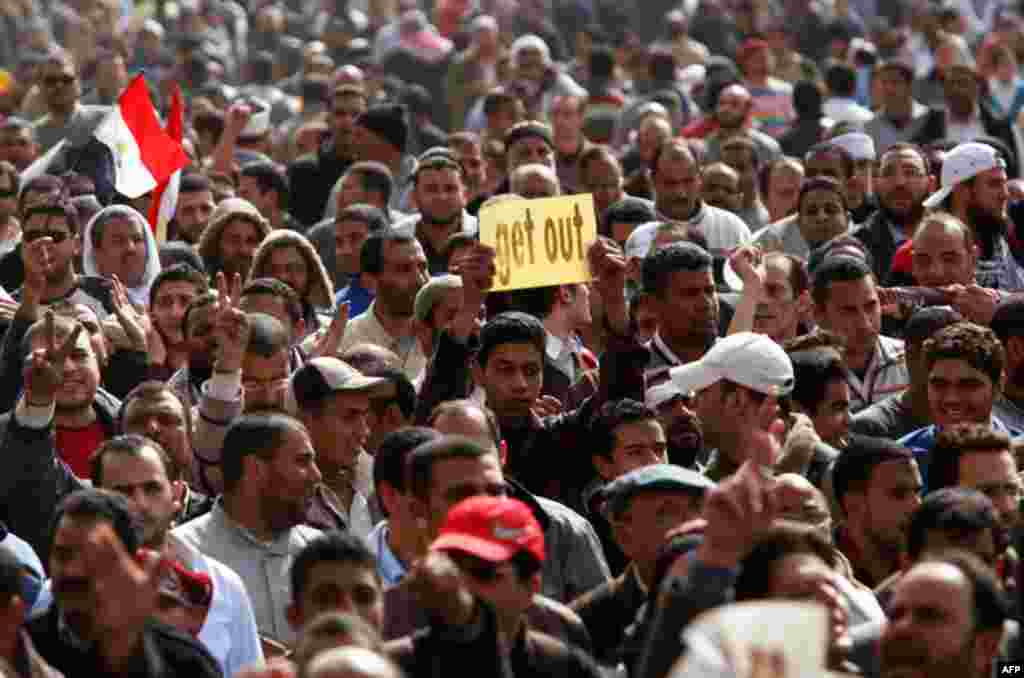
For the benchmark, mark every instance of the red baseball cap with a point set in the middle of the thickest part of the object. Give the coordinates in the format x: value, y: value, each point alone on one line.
x: 750, y: 46
x: 492, y: 528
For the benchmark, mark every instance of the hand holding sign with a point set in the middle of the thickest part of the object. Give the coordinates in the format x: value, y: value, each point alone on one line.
x: 608, y: 264
x: 476, y: 268
x: 539, y: 242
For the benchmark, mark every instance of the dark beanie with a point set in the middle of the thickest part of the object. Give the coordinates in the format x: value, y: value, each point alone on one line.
x: 387, y: 122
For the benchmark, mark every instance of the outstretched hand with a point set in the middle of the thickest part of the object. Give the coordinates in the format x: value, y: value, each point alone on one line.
x: 327, y: 343
x: 608, y: 267
x: 134, y: 323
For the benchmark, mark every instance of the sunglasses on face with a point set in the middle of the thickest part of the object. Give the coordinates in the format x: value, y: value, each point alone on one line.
x: 480, y: 571
x: 56, y: 80
x: 58, y: 236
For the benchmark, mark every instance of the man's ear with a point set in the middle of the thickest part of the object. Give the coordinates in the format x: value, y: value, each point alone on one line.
x: 294, y: 614
x: 603, y: 466
x: 420, y: 512
x: 804, y: 304
x: 622, y: 533
x: 76, y: 244
x: 369, y: 281
x: 565, y: 294
x: 178, y: 488
x: 1015, y: 350
x: 853, y: 503
x: 389, y: 497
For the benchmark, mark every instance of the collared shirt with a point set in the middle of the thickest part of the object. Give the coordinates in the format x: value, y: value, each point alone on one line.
x: 561, y: 354
x: 922, y: 441
x: 264, y: 567
x: 961, y: 132
x: 355, y: 295
x: 886, y: 375
x: 326, y: 512
x: 389, y: 567
x: 723, y: 230
x: 366, y: 328
x: 229, y: 631
x: 842, y: 109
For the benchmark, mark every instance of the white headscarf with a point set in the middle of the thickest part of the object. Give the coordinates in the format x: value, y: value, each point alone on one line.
x: 138, y: 295
x: 530, y: 41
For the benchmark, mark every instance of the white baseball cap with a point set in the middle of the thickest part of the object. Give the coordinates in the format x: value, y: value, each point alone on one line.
x: 656, y: 396
x: 962, y: 163
x: 859, y: 145
x: 639, y: 242
x: 259, y: 120
x: 745, y: 358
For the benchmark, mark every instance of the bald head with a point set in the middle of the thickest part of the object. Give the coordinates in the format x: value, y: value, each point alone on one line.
x: 351, y: 662
x: 349, y: 75
x: 733, y: 106
x: 735, y: 90
x: 534, y: 181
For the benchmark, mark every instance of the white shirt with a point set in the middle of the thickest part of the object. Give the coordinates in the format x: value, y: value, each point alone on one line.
x: 841, y: 109
x: 962, y: 132
x: 229, y: 631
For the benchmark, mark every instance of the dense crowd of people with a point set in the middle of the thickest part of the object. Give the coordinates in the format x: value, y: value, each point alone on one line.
x: 295, y: 431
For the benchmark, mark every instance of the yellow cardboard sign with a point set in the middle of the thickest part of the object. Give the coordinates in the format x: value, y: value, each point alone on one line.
x: 540, y: 242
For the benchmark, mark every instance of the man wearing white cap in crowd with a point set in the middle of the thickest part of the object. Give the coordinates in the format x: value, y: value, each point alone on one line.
x: 737, y: 384
x: 860, y: 195
x: 974, y: 189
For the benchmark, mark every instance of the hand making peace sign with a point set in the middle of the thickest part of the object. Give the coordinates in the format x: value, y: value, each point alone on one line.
x: 44, y: 369
x: 230, y: 325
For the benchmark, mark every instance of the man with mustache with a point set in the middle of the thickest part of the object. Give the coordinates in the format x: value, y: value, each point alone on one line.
x: 312, y: 177
x: 140, y: 469
x: 256, y: 528
x: 394, y: 268
x: 876, y: 484
x: 902, y: 184
x: 680, y: 287
x: 677, y: 179
x: 103, y: 622
x: 945, y: 621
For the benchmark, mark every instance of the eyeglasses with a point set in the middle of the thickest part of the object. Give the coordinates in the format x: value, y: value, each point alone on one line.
x: 57, y: 80
x: 57, y: 236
